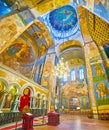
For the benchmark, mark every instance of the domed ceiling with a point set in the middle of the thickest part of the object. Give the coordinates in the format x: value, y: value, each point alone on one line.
x: 63, y: 19
x: 62, y: 24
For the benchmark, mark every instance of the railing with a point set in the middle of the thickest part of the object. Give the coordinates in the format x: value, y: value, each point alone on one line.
x: 102, y: 114
x: 6, y: 118
x: 10, y: 117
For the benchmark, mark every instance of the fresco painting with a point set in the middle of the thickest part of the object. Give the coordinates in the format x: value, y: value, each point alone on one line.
x: 102, y: 92
x: 9, y: 27
x: 84, y: 101
x: 99, y: 7
x: 26, y: 16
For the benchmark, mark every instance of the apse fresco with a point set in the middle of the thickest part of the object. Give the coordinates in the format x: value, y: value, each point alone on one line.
x: 62, y: 23
x: 74, y: 103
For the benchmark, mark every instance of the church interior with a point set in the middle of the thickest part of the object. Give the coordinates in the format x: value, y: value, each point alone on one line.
x: 54, y: 58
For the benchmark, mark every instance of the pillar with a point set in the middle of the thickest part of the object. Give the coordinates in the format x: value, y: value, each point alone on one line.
x: 90, y: 81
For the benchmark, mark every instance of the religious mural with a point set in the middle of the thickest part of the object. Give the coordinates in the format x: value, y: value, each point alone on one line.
x: 101, y: 88
x: 2, y: 90
x: 83, y: 24
x: 62, y: 21
x: 26, y: 16
x: 84, y: 102
x: 99, y: 7
x: 102, y: 93
x: 26, y: 49
x: 46, y: 74
x: 25, y: 101
x: 20, y: 56
x: 9, y: 27
x: 10, y: 98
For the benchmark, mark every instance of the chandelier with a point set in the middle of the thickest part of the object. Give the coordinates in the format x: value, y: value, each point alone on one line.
x: 62, y: 69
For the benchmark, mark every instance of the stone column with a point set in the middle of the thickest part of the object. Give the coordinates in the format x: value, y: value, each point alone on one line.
x: 16, y: 103
x: 90, y: 81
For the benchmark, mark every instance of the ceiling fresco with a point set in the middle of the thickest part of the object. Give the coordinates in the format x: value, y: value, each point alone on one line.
x: 98, y: 7
x: 83, y: 24
x: 74, y: 57
x: 63, y: 19
x: 23, y: 52
x: 20, y: 56
x: 62, y: 24
x: 47, y: 5
x: 69, y: 44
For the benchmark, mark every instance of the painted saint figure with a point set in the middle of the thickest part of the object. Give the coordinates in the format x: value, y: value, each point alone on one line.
x: 25, y: 100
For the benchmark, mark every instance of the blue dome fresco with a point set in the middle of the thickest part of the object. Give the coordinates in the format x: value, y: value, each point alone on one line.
x: 64, y: 18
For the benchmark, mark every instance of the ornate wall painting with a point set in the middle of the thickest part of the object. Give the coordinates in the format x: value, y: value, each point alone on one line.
x: 41, y: 36
x: 20, y: 56
x: 10, y: 98
x: 99, y: 7
x: 46, y: 74
x: 83, y: 24
x: 84, y: 102
x: 99, y: 76
x: 44, y: 6
x: 74, y: 103
x: 98, y: 72
x: 45, y: 82
x: 26, y: 16
x: 2, y: 90
x: 102, y: 92
x: 9, y: 27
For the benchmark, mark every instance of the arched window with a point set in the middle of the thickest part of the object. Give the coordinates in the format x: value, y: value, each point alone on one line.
x: 65, y: 78
x: 73, y: 77
x: 81, y: 73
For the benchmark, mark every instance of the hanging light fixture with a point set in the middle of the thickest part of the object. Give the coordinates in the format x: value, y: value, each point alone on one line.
x: 62, y: 69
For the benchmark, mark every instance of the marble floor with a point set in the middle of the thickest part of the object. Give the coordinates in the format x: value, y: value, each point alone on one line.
x: 74, y: 122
